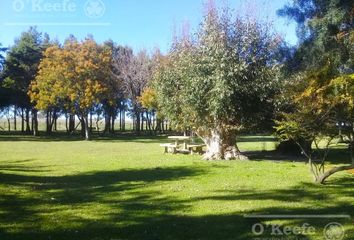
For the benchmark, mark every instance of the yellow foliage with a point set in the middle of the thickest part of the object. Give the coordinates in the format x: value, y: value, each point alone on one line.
x: 74, y: 75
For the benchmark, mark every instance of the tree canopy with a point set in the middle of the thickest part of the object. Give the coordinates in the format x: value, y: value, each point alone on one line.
x: 220, y: 79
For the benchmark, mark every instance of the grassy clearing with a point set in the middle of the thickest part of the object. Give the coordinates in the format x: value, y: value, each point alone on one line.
x: 125, y: 188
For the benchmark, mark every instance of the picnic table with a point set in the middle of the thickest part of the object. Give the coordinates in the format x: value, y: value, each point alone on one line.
x: 187, y: 147
x: 183, y: 139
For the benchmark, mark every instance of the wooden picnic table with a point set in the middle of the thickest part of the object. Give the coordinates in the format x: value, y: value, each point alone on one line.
x: 180, y: 138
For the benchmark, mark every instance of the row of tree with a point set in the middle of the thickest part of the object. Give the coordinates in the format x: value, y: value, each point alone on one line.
x: 78, y: 80
x: 235, y: 73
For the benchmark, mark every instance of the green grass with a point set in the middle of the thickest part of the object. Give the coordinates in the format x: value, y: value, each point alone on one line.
x: 125, y: 188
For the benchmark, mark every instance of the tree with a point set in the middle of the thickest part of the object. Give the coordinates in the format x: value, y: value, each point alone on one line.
x: 75, y: 76
x: 316, y: 117
x: 148, y: 101
x: 322, y: 69
x: 219, y: 80
x: 21, y: 66
x: 136, y: 78
x: 114, y: 101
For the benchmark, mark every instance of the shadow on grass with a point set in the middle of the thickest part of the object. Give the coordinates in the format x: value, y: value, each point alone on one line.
x: 335, y: 156
x: 256, y: 138
x: 140, y: 213
x: 17, y: 166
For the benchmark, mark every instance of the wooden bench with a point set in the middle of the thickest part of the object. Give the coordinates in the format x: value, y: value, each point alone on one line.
x: 195, y: 148
x: 169, y: 147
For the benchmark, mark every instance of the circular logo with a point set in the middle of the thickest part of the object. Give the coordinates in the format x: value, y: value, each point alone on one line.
x: 333, y: 231
x: 94, y: 8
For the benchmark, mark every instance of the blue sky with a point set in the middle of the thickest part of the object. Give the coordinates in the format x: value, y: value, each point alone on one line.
x: 137, y: 23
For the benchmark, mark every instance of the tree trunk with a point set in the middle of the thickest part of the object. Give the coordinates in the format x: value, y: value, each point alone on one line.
x: 34, y: 122
x: 28, y: 128
x: 22, y: 120
x: 322, y: 178
x: 15, y: 120
x: 221, y: 145
x: 66, y: 123
x: 9, y: 123
x: 113, y: 122
x: 71, y: 123
x: 123, y: 120
x: 55, y: 121
x: 85, y: 121
x: 49, y: 122
x: 107, y: 123
x: 137, y: 123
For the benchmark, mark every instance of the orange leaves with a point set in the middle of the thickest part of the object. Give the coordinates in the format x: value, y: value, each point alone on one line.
x: 148, y: 99
x: 73, y: 75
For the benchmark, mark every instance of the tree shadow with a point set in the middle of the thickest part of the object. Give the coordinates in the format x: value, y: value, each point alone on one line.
x: 335, y: 156
x: 150, y: 214
x: 256, y: 138
x: 18, y: 166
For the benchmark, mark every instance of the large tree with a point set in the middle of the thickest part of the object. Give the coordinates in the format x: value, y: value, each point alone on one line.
x: 21, y: 66
x: 75, y: 76
x: 219, y: 80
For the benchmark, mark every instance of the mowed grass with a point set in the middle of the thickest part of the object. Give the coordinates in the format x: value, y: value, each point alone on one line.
x: 125, y: 188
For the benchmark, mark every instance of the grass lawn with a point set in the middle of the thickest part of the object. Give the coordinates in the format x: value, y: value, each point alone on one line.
x: 125, y: 188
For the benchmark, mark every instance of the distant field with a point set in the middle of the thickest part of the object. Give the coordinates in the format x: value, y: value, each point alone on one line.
x: 125, y: 188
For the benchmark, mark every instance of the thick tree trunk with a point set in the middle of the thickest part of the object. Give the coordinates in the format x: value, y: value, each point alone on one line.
x: 86, y: 128
x: 49, y: 122
x: 107, y: 123
x: 221, y: 145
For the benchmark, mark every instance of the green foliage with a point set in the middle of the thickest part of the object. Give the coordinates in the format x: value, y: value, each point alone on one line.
x: 223, y: 75
x: 23, y: 58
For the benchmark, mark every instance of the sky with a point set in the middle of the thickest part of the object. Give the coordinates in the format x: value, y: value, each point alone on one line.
x: 137, y: 23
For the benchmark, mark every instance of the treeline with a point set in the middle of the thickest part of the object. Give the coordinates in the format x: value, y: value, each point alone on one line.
x: 80, y: 80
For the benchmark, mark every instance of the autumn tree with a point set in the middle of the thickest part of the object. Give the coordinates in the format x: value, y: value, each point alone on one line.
x: 75, y: 75
x: 321, y: 71
x: 219, y: 80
